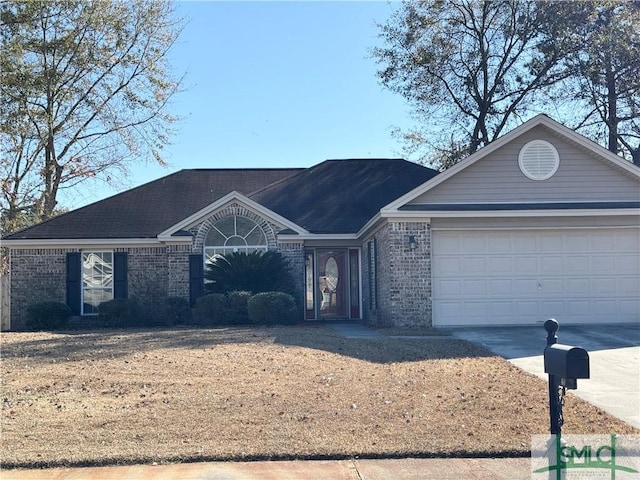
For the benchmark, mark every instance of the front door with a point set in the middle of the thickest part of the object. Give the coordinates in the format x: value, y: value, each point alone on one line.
x: 333, y: 283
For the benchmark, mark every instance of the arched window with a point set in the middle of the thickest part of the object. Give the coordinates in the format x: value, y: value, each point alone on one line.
x: 233, y: 234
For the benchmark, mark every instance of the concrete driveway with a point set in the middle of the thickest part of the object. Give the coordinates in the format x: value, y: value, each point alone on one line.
x: 614, y: 357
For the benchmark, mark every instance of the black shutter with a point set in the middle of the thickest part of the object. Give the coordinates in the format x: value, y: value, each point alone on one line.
x: 120, y: 275
x: 74, y: 281
x: 196, y: 278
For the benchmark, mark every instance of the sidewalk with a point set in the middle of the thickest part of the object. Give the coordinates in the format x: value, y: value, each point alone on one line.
x: 396, y: 469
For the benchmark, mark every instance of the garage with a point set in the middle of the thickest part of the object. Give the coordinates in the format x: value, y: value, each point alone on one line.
x: 523, y: 277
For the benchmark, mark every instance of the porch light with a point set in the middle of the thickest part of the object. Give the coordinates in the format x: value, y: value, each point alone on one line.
x: 412, y: 243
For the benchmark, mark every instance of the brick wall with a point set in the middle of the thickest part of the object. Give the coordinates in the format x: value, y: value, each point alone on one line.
x: 403, y: 275
x: 37, y: 275
x: 294, y: 254
x: 148, y: 272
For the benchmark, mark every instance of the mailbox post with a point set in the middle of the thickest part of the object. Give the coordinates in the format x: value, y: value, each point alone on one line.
x: 564, y: 364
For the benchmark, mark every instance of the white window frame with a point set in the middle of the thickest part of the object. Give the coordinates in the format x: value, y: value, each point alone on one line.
x: 84, y: 288
x: 210, y: 252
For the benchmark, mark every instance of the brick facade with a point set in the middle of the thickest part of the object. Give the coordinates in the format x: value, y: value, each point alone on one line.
x: 293, y: 252
x: 402, y: 280
x: 37, y: 275
x: 396, y: 292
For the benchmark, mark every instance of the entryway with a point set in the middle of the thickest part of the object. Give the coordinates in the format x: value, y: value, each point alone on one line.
x: 332, y: 283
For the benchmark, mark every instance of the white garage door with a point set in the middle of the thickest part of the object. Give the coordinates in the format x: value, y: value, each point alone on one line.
x: 526, y: 276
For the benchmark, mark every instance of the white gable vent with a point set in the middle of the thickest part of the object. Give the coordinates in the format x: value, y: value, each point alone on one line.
x: 538, y: 160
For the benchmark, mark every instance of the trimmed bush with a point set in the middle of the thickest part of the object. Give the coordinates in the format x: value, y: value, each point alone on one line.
x: 236, y: 311
x: 165, y: 312
x: 178, y: 310
x: 119, y: 312
x: 48, y: 316
x: 272, y: 308
x: 210, y: 309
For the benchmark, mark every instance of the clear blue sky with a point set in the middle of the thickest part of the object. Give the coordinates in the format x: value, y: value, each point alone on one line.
x: 275, y: 84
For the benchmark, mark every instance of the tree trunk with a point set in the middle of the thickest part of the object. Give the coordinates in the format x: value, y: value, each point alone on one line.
x: 612, y: 106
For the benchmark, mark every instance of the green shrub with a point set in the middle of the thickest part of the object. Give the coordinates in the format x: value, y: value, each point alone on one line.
x: 272, y: 308
x: 178, y: 310
x: 119, y: 312
x: 236, y: 311
x: 165, y: 312
x: 48, y: 316
x: 210, y: 309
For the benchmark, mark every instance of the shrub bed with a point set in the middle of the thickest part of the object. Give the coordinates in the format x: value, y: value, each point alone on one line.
x: 48, y: 316
x: 272, y: 308
x: 119, y: 312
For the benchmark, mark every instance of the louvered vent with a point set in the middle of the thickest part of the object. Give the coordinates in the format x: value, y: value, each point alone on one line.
x: 538, y: 160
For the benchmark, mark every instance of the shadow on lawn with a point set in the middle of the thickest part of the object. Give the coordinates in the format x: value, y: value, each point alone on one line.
x: 381, y: 350
x: 98, y: 344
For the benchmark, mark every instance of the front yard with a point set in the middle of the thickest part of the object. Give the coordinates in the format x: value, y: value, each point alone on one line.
x: 118, y: 396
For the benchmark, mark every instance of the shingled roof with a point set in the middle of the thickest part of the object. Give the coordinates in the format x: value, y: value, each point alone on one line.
x: 335, y: 196
x: 341, y: 196
x: 149, y: 209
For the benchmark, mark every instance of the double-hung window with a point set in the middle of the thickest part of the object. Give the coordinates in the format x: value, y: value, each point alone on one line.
x: 97, y: 280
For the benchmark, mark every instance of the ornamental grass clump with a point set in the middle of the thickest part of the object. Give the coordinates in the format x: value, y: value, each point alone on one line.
x: 253, y: 272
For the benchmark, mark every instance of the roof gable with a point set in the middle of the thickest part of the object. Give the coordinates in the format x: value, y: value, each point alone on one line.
x: 236, y: 197
x: 492, y: 174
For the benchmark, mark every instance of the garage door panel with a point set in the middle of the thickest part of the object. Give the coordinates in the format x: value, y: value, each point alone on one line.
x: 500, y: 287
x: 474, y: 244
x: 579, y: 308
x: 627, y: 242
x: 526, y: 265
x: 448, y: 264
x: 628, y: 263
x: 577, y: 286
x: 551, y: 286
x: 525, y: 244
x: 606, y: 286
x: 576, y: 242
x: 474, y: 287
x: 499, y: 265
x: 629, y: 287
x: 450, y: 288
x: 552, y: 264
x: 630, y: 309
x: 601, y: 242
x: 502, y: 309
x: 601, y: 263
x: 550, y: 308
x: 474, y: 265
x: 524, y: 277
x: 550, y: 244
x: 525, y: 286
x: 576, y: 263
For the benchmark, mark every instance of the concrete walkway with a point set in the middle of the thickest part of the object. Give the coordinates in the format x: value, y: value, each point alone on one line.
x: 395, y: 469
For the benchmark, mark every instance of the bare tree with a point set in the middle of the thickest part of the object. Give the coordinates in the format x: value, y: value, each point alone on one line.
x: 473, y: 68
x: 604, y: 85
x: 85, y: 89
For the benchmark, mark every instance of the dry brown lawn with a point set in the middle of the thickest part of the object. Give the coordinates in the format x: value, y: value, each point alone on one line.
x: 106, y: 397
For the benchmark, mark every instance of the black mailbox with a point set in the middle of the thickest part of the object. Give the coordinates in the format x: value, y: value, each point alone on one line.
x: 567, y: 363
